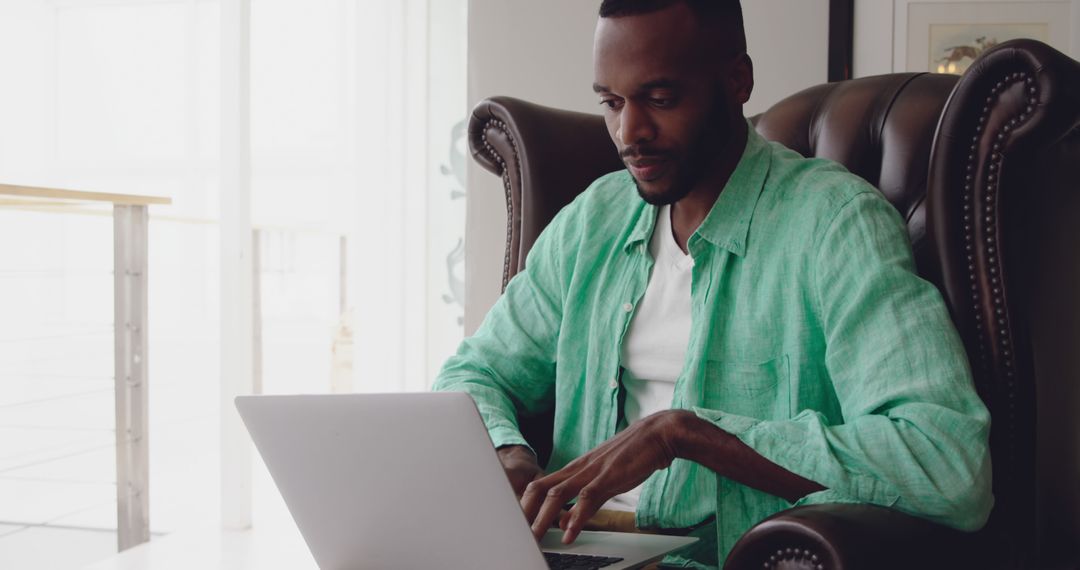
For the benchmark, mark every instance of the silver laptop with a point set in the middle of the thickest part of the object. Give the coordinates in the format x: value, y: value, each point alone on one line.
x: 409, y: 481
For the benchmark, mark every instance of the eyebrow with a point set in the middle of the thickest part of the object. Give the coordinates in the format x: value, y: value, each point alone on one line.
x: 661, y: 83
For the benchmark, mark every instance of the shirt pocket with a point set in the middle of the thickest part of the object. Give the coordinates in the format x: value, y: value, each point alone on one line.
x: 749, y: 388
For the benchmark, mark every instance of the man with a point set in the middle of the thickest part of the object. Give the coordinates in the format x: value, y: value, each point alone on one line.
x: 725, y: 329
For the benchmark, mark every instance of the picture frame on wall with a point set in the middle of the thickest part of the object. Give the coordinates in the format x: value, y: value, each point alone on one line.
x: 946, y: 36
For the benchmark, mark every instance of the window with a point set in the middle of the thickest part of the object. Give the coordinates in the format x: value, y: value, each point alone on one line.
x: 357, y: 112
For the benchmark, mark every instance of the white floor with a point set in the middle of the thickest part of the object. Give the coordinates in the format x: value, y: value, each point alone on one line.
x: 57, y: 443
x: 57, y: 448
x: 273, y: 542
x: 54, y: 548
x: 57, y: 437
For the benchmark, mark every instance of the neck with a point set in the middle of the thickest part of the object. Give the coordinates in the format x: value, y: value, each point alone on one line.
x: 688, y: 214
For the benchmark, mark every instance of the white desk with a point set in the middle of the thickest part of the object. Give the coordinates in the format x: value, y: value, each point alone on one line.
x: 271, y: 545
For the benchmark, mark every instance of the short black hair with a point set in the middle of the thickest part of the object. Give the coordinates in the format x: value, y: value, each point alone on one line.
x: 727, y: 12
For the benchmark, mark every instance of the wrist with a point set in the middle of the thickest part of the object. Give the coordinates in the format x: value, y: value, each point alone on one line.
x: 691, y: 437
x: 516, y: 452
x: 678, y: 432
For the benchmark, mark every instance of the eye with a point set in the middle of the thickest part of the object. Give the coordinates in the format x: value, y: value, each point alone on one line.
x: 612, y: 103
x: 661, y: 102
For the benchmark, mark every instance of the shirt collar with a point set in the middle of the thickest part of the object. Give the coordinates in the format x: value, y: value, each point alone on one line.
x: 728, y: 223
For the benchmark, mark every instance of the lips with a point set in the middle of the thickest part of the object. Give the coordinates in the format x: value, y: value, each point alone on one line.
x: 647, y: 169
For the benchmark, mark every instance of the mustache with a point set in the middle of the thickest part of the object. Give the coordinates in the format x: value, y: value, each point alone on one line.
x: 638, y: 152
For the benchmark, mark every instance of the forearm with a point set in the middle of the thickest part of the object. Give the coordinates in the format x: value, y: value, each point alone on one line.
x: 515, y: 453
x: 697, y: 440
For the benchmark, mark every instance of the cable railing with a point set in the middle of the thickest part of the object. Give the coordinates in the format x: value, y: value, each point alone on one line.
x: 129, y: 328
x: 130, y: 263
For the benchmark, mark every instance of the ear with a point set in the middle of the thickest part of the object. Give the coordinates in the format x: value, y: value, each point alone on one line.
x: 742, y: 78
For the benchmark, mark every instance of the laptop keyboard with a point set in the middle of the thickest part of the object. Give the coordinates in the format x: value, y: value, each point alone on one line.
x: 560, y: 561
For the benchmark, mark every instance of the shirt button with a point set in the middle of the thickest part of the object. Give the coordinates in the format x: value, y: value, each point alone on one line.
x: 628, y: 307
x: 613, y: 384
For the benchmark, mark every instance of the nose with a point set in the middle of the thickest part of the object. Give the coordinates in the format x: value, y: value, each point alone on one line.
x: 635, y: 125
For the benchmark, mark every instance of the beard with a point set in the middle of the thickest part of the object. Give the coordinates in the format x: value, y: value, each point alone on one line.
x: 677, y: 189
x: 688, y: 167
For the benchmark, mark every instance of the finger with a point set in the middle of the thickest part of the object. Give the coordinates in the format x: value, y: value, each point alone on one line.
x: 521, y: 479
x: 536, y: 492
x: 590, y: 499
x: 533, y: 497
x: 564, y: 516
x: 554, y: 501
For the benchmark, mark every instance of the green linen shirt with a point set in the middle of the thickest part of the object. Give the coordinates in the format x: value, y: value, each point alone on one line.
x: 813, y: 341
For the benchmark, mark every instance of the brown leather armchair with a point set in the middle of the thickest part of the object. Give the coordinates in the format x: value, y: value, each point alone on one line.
x: 986, y: 171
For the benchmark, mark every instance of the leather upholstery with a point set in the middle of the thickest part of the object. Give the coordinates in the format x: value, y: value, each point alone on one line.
x: 854, y: 536
x: 531, y: 147
x: 985, y: 171
x: 1003, y: 205
x: 880, y: 128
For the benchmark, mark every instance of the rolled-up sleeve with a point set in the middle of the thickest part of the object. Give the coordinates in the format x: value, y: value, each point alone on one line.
x: 914, y: 433
x: 508, y: 365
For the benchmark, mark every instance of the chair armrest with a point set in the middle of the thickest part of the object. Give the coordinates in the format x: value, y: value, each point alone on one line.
x: 852, y: 536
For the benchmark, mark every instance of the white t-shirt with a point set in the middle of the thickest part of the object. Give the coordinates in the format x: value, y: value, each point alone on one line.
x: 654, y: 348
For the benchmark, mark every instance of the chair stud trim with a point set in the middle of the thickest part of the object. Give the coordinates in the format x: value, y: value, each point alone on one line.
x: 997, y: 324
x: 794, y: 555
x: 494, y: 155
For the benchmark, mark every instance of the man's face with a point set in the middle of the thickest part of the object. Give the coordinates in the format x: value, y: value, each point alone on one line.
x: 671, y: 98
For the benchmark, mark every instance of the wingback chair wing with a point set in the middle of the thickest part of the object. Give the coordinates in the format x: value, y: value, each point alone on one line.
x: 985, y: 169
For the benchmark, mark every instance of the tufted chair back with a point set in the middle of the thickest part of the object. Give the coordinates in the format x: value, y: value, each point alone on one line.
x: 986, y: 172
x: 881, y: 128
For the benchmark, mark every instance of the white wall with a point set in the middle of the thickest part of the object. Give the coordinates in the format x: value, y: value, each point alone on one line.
x: 789, y: 43
x: 873, y: 45
x: 539, y: 51
x: 542, y: 52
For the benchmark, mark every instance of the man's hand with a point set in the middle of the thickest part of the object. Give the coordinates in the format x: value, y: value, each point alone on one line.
x: 626, y: 460
x: 520, y: 466
x: 616, y: 466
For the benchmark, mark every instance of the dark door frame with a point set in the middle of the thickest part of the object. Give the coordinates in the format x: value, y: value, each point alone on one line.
x: 841, y: 38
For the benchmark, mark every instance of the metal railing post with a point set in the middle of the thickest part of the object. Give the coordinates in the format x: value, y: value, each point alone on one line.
x: 130, y: 237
